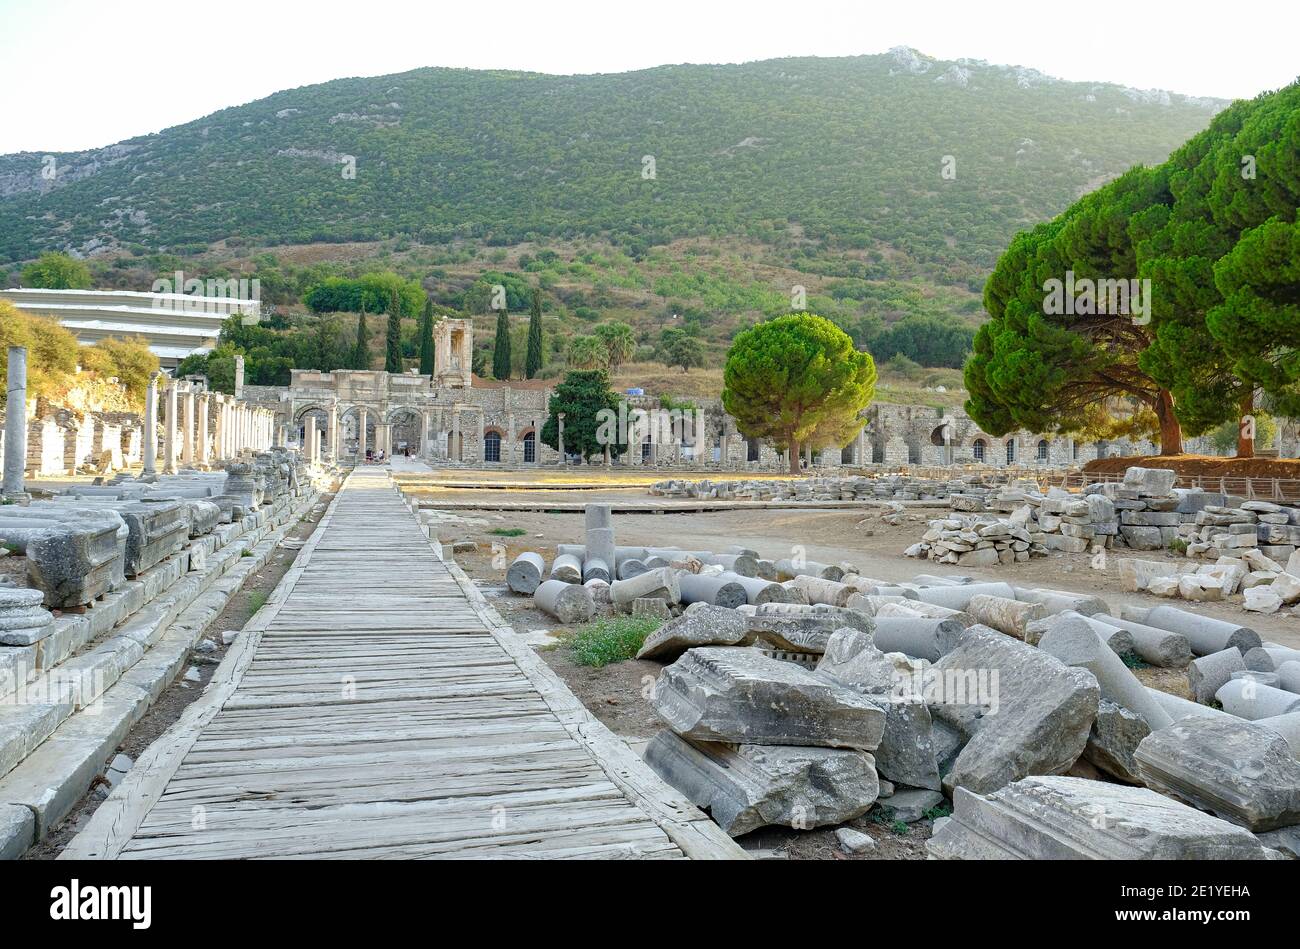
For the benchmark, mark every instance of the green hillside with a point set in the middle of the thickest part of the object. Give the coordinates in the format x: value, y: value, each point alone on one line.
x: 837, y: 162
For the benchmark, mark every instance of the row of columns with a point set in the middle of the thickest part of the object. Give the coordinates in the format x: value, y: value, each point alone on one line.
x: 187, y: 407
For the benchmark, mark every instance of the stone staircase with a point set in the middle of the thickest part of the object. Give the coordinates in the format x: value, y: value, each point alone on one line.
x: 68, y: 701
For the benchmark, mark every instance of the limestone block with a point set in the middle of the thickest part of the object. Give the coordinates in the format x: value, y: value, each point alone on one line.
x: 73, y: 554
x: 739, y: 695
x: 1113, y: 741
x: 1238, y: 770
x: 23, y: 621
x: 751, y: 786
x: 705, y: 625
x: 1035, y: 721
x: 1150, y: 482
x: 1063, y: 818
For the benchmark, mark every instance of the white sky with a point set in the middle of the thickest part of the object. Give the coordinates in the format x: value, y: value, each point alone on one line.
x: 85, y: 73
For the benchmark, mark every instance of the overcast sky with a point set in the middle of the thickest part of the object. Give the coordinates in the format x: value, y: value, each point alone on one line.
x: 85, y: 73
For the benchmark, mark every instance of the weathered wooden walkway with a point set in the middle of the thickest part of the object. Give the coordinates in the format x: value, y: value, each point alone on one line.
x: 376, y: 707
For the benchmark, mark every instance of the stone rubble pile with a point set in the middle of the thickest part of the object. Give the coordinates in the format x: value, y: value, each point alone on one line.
x: 978, y: 540
x: 894, y: 487
x: 809, y: 696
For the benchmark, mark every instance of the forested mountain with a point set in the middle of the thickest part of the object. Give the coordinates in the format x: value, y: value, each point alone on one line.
x: 838, y: 162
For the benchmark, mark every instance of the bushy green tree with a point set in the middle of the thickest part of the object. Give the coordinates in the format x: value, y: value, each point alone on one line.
x: 55, y: 271
x: 679, y: 348
x: 501, y: 346
x: 581, y: 397
x: 797, y: 378
x: 372, y: 292
x: 533, y: 363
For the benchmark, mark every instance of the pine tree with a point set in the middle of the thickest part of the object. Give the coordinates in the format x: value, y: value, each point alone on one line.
x: 361, y: 351
x: 533, y: 363
x: 393, y: 348
x: 501, y: 352
x: 426, y: 339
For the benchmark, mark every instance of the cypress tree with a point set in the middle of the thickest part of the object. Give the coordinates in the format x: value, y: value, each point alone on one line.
x: 361, y: 351
x: 393, y: 349
x: 501, y: 352
x: 426, y: 339
x: 533, y: 362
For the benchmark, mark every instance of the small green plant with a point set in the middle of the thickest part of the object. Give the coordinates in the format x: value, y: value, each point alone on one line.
x: 245, y: 552
x: 899, y: 827
x: 508, y: 531
x: 1134, y: 661
x: 256, y: 600
x: 939, y: 810
x: 614, y: 639
x: 1178, y: 546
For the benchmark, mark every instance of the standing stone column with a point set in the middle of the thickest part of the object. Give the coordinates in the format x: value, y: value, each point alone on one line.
x: 510, y: 432
x: 170, y: 426
x: 362, y: 419
x: 439, y: 450
x: 332, y: 431
x: 205, y: 452
x: 187, y: 426
x: 482, y: 441
x: 149, y: 437
x: 560, y: 418
x: 16, y: 425
x: 456, y: 452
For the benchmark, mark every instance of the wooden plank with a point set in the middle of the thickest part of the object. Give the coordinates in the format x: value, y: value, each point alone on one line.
x: 373, y: 708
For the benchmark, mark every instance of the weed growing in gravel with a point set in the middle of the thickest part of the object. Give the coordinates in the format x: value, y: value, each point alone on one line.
x: 508, y: 531
x: 613, y: 639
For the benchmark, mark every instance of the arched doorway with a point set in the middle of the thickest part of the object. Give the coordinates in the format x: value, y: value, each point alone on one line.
x: 406, y: 431
x: 1011, y: 451
x: 979, y: 449
x: 309, y: 416
x: 492, y: 446
x: 1042, y: 449
x: 530, y: 448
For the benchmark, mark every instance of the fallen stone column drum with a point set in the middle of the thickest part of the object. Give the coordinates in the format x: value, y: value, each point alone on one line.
x: 567, y: 602
x: 715, y: 590
x: 759, y: 591
x: 525, y: 573
x: 1252, y: 701
x: 568, y: 568
x: 1159, y: 647
x: 959, y: 597
x: 1204, y: 633
x: 919, y: 638
x: 660, y: 584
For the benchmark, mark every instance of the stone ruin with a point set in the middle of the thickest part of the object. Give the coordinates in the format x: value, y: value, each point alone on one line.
x: 806, y: 694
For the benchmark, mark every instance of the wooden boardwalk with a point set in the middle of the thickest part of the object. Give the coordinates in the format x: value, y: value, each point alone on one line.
x: 377, y: 707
